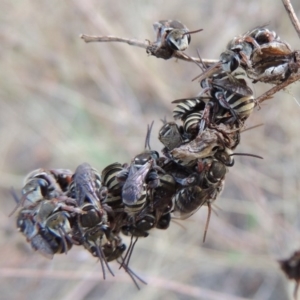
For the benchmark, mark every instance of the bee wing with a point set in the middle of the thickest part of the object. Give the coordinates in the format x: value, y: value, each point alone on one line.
x: 134, y: 185
x: 161, y: 28
x: 209, y: 72
x: 131, y: 193
x: 39, y: 244
x: 272, y: 49
x: 184, y: 216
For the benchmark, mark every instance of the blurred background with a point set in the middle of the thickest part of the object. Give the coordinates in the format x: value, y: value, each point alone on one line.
x: 64, y: 102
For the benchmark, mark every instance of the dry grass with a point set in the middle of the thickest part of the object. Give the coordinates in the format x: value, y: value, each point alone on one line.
x: 64, y: 102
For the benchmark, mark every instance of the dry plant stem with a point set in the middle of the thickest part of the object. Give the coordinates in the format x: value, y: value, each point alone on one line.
x: 290, y: 10
x: 141, y: 44
x: 267, y: 95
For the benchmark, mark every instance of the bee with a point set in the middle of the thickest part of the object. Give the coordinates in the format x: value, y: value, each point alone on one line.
x: 187, y: 106
x: 147, y: 154
x: 171, y: 36
x: 44, y: 242
x: 291, y: 268
x: 200, y: 188
x: 44, y: 184
x: 261, y: 53
x: 46, y: 228
x: 134, y: 192
x: 234, y: 95
x: 137, y: 229
x: 86, y: 187
x: 94, y: 240
x: 263, y: 35
x: 142, y: 176
x: 141, y: 226
x: 54, y: 214
x: 212, y: 177
x: 274, y: 63
x: 90, y: 216
x: 164, y: 221
x: 240, y: 48
x: 63, y: 177
x: 206, y: 144
x: 114, y: 251
x: 188, y: 200
x: 114, y: 186
x: 162, y: 200
x: 225, y: 156
x: 192, y: 123
x: 59, y: 225
x: 170, y: 136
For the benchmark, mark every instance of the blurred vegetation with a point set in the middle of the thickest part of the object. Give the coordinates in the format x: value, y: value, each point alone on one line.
x: 64, y: 102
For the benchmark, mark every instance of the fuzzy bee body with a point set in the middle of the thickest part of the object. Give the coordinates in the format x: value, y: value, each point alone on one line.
x: 188, y: 200
x: 192, y: 123
x: 45, y: 184
x: 170, y: 136
x: 230, y: 93
x: 171, y: 36
x: 86, y: 185
x: 134, y: 192
x: 185, y: 107
x: 114, y: 186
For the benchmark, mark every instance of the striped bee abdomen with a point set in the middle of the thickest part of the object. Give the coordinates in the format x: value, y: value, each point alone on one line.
x: 113, y: 184
x: 185, y: 107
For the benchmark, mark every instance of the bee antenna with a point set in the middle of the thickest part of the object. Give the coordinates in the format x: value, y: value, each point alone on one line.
x: 209, y: 72
x: 203, y: 67
x: 247, y: 154
x: 296, y: 290
x: 19, y: 202
x: 164, y: 120
x: 147, y: 140
x: 191, y: 32
x: 252, y: 127
x: 207, y: 221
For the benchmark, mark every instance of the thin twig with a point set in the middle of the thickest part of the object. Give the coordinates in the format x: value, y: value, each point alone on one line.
x: 267, y: 95
x: 290, y: 10
x: 111, y: 38
x: 141, y: 44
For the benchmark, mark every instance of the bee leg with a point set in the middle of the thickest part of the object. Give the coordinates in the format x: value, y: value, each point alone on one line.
x: 225, y: 104
x: 252, y: 41
x: 70, y: 239
x: 205, y: 118
x: 296, y: 290
x: 245, y: 60
x: 123, y: 265
x: 129, y: 252
x: 132, y: 275
x: 207, y: 220
x: 63, y: 238
x: 72, y: 209
x: 103, y: 260
x: 20, y: 202
x: 103, y: 193
x: 100, y: 255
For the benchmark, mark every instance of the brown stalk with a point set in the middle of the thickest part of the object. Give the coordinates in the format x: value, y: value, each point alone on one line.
x: 141, y: 44
x: 267, y: 95
x: 290, y: 10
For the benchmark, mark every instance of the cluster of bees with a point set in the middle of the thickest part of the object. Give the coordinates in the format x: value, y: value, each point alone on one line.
x: 60, y: 208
